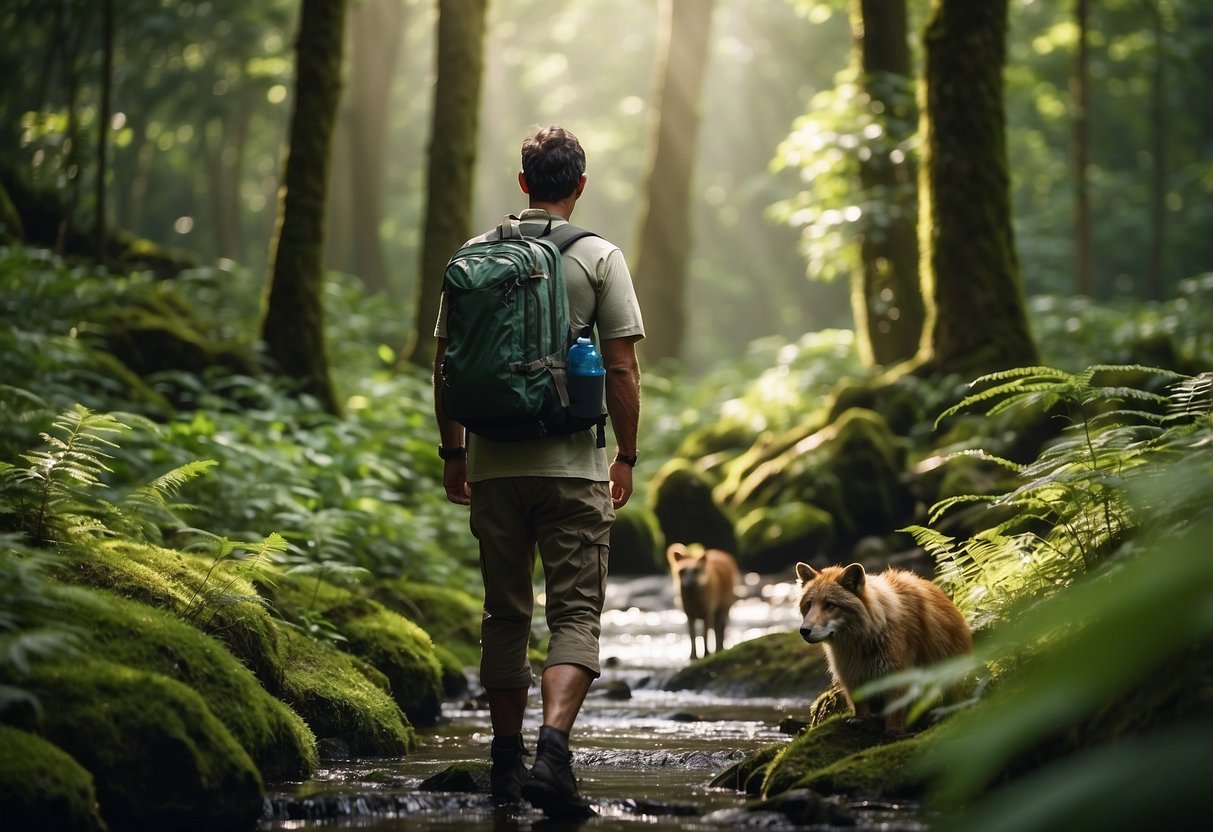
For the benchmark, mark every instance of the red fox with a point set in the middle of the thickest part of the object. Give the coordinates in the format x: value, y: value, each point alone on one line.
x: 874, y: 625
x: 705, y: 580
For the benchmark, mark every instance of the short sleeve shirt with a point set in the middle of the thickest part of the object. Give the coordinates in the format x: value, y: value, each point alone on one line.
x: 599, y: 287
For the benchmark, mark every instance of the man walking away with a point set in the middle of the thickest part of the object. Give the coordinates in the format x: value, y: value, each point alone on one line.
x: 558, y: 493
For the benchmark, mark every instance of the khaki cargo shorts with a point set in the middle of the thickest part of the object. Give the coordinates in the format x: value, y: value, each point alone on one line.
x: 569, y: 520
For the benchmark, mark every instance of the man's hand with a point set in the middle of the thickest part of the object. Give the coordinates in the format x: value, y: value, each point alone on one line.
x: 455, y: 481
x: 621, y: 483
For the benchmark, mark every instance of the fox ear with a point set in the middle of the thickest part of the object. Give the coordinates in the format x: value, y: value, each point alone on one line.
x: 853, y: 578
x: 805, y: 573
x: 675, y: 552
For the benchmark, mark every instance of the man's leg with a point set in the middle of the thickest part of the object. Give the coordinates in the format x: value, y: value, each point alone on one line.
x: 506, y: 562
x: 573, y: 527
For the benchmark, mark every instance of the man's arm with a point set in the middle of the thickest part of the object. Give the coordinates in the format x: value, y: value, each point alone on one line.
x: 623, y: 408
x: 451, y: 435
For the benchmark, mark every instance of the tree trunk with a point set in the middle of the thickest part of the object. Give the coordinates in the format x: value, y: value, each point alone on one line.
x: 103, y: 126
x: 1155, y: 277
x: 886, y: 296
x: 665, y: 213
x: 1079, y: 97
x: 452, y: 160
x: 377, y: 34
x: 976, y: 321
x: 293, y: 326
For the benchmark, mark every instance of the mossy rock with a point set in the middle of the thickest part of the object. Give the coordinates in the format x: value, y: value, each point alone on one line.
x: 770, y: 539
x: 681, y: 498
x: 882, y: 771
x: 637, y: 546
x: 200, y: 592
x: 717, y: 439
x: 159, y: 757
x: 341, y: 705
x: 819, y: 748
x: 777, y: 664
x: 451, y: 616
x: 43, y: 787
x: 136, y: 635
x: 854, y: 469
x: 746, y: 775
x: 391, y: 643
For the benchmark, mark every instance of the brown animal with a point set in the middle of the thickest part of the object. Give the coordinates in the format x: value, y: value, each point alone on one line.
x: 874, y: 625
x: 705, y: 581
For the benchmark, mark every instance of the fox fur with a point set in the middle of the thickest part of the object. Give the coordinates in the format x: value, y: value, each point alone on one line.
x: 874, y: 625
x: 705, y: 581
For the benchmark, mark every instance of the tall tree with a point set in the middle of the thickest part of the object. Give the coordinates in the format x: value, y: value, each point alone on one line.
x: 376, y: 36
x: 452, y: 159
x: 976, y: 321
x: 1080, y: 141
x: 886, y: 297
x: 1155, y: 277
x: 103, y: 126
x: 665, y: 213
x: 293, y: 322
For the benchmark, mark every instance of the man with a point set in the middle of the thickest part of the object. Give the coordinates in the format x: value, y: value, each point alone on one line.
x: 559, y: 493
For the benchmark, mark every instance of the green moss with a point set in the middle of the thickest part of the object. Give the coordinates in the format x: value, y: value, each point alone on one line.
x: 156, y: 751
x: 882, y: 771
x: 681, y: 498
x: 394, y: 645
x: 326, y: 687
x: 747, y: 775
x: 778, y: 664
x: 818, y: 748
x: 450, y: 616
x: 140, y: 636
x: 637, y: 545
x: 776, y: 537
x: 42, y: 787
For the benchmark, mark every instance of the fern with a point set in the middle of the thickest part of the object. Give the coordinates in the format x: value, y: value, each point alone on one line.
x: 215, y: 591
x: 148, y: 509
x: 56, y: 487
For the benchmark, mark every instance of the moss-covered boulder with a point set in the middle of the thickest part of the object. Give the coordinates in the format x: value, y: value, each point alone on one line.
x: 342, y: 699
x: 337, y: 698
x: 637, y: 545
x: 772, y: 538
x: 853, y: 468
x: 680, y: 496
x: 451, y: 616
x: 159, y: 757
x: 136, y: 635
x: 778, y: 664
x: 841, y: 757
x: 389, y: 642
x: 43, y: 787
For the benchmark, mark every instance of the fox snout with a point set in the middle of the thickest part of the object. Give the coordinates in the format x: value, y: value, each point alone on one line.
x: 816, y: 635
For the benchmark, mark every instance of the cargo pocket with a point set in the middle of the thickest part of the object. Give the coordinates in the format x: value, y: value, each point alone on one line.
x: 597, y: 546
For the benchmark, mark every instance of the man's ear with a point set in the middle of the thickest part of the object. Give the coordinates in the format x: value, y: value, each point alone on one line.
x: 522, y: 182
x: 580, y: 186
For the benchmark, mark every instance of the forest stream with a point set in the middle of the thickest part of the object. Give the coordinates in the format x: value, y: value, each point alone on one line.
x: 644, y: 756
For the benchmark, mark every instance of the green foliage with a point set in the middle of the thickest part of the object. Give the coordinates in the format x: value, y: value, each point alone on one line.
x: 210, y: 598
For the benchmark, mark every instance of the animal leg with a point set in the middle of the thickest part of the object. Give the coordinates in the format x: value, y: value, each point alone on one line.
x: 694, y: 646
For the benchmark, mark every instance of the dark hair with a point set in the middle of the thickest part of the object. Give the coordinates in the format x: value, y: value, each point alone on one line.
x: 552, y: 162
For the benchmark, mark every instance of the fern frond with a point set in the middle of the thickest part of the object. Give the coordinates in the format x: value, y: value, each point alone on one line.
x: 941, y: 508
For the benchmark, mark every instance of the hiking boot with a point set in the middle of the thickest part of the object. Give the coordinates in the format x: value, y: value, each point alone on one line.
x: 551, y: 786
x: 508, y: 771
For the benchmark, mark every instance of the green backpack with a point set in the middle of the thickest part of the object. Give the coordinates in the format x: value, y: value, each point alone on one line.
x: 508, y: 336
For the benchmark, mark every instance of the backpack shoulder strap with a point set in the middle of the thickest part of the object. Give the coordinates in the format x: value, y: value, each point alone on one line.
x: 565, y: 235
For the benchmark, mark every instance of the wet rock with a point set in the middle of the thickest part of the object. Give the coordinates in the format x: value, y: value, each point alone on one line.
x: 614, y: 689
x: 684, y: 716
x: 804, y: 807
x: 333, y: 748
x: 792, y: 726
x: 466, y: 776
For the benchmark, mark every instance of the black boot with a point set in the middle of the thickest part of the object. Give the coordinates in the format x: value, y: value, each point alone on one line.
x: 551, y: 786
x: 508, y: 771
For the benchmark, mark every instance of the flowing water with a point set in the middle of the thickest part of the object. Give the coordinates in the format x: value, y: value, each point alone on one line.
x: 645, y: 759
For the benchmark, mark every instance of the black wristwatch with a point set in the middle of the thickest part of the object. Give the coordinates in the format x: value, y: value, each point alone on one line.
x: 452, y: 453
x: 629, y: 461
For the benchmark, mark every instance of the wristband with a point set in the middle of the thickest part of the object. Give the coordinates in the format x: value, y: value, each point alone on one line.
x: 629, y: 461
x: 452, y: 453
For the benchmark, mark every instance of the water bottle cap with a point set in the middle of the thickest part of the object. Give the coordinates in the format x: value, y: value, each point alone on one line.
x: 583, y: 340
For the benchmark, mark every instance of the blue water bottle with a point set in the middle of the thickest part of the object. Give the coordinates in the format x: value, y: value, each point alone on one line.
x: 587, y: 380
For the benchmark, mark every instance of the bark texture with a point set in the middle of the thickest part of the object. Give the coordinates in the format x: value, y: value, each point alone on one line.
x: 452, y: 159
x: 293, y: 325
x: 976, y: 321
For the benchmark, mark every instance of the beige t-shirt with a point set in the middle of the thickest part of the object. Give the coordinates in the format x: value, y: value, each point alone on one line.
x: 596, y: 277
